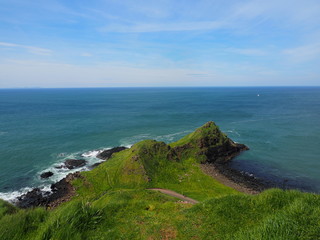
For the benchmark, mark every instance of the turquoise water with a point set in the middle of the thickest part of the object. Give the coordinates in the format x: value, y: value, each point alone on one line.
x: 39, y: 128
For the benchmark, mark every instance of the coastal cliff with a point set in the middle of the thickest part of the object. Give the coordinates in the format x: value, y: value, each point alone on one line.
x: 155, y: 190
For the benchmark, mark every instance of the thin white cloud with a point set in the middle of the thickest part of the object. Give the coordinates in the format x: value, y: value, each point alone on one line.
x: 86, y: 54
x: 31, y: 49
x: 304, y: 12
x: 164, y: 27
x: 48, y: 74
x: 27, y: 73
x: 303, y: 53
x: 238, y: 15
x: 248, y: 51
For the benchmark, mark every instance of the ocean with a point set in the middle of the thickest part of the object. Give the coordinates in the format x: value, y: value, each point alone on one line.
x: 40, y: 128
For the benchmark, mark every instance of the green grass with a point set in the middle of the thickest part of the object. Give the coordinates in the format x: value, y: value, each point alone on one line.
x: 6, y: 208
x: 112, y: 202
x: 274, y: 214
x: 23, y: 224
x: 147, y: 165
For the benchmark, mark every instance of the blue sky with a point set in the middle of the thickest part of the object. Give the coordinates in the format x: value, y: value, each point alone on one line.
x: 111, y: 43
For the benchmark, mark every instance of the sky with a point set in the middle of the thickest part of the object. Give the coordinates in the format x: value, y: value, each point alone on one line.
x: 147, y: 43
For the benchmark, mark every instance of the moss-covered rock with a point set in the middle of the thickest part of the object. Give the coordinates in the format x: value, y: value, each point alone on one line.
x: 209, y: 144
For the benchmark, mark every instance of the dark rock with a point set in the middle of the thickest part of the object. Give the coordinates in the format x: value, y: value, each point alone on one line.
x: 106, y: 154
x: 177, y: 153
x: 74, y: 163
x: 173, y: 155
x: 46, y: 174
x: 239, y: 177
x: 61, y: 191
x: 220, y: 153
x: 33, y: 198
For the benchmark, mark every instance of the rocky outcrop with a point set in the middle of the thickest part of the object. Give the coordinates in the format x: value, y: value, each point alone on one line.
x: 74, y: 163
x: 106, y: 154
x: 33, y: 198
x: 46, y: 174
x: 218, y: 150
x: 61, y: 191
x: 177, y: 153
x: 216, y: 146
x: 222, y: 153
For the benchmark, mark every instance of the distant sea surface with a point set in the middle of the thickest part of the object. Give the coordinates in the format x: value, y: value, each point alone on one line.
x: 40, y: 128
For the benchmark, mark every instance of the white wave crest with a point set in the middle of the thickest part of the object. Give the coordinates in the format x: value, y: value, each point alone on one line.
x: 93, y: 153
x: 129, y: 141
x: 233, y: 132
x: 171, y: 137
x: 59, y: 172
x: 12, y: 196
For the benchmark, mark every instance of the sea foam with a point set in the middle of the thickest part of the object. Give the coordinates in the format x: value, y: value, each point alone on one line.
x: 59, y: 172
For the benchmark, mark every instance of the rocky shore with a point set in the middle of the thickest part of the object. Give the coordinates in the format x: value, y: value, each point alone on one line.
x: 235, y: 179
x: 62, y: 190
x: 218, y: 166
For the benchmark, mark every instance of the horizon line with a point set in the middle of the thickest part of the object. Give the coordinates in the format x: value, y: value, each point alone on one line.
x: 257, y: 86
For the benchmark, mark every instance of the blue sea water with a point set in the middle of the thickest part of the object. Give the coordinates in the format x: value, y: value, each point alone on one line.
x: 39, y: 128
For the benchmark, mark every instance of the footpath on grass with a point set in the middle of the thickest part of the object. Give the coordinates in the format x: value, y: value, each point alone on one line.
x: 175, y: 194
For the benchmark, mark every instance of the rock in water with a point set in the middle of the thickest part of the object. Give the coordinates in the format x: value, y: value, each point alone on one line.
x: 107, y: 153
x: 46, y: 174
x: 74, y: 163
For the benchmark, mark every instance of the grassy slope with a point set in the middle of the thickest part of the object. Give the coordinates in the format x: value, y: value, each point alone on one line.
x: 112, y: 202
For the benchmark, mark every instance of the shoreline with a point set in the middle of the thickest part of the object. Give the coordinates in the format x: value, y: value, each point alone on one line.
x: 251, y: 183
x: 233, y: 178
x: 62, y: 190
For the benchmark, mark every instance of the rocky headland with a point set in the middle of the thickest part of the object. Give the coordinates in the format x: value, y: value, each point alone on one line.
x: 213, y: 149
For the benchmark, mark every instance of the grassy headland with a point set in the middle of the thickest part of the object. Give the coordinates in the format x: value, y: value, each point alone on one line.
x: 112, y: 201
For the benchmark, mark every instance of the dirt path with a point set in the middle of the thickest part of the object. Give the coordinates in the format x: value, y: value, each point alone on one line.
x: 175, y: 194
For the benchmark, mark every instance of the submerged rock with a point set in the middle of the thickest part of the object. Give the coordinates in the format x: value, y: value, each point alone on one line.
x: 74, y: 163
x: 106, y: 154
x: 46, y: 174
